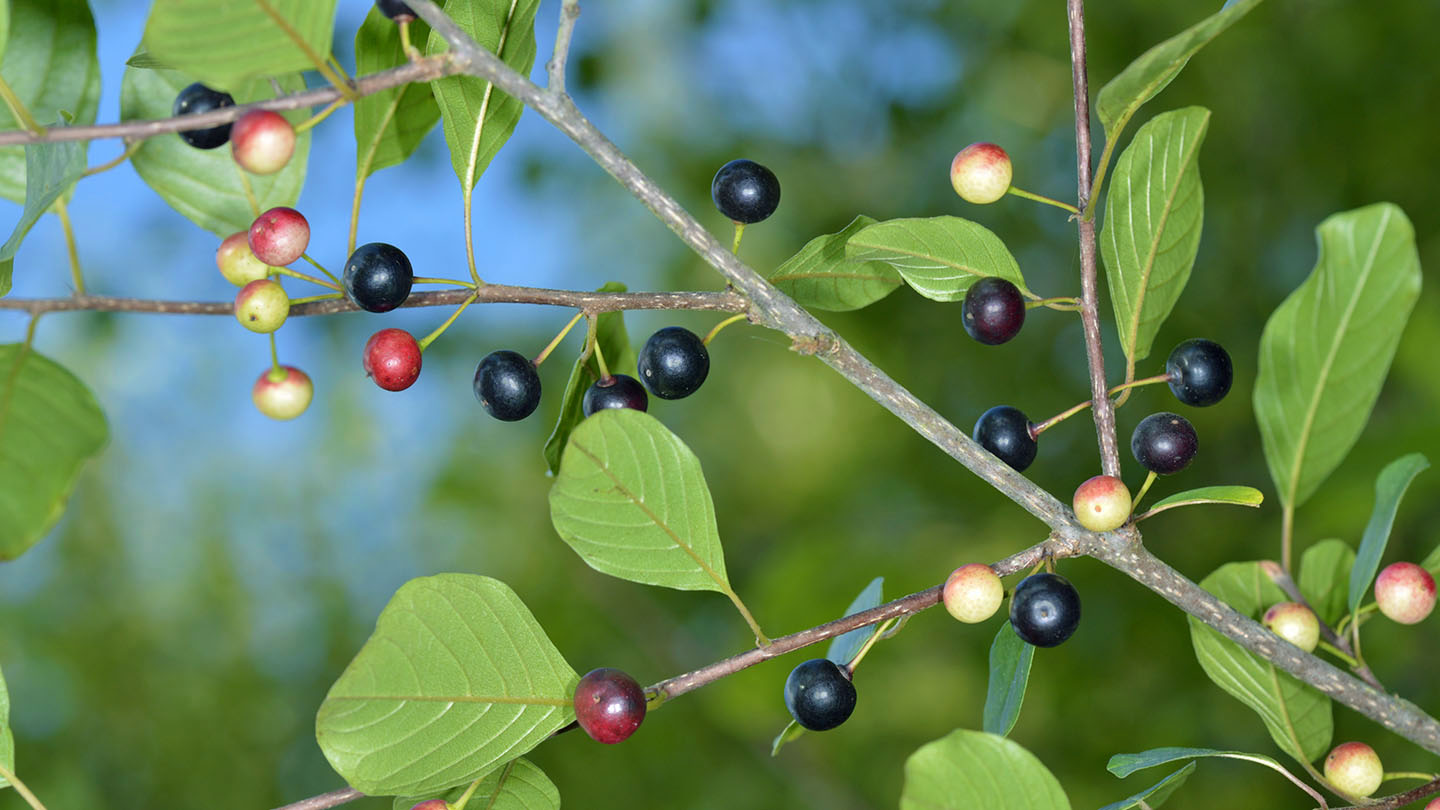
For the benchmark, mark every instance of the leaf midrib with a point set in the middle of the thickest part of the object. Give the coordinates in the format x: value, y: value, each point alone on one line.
x: 512, y: 701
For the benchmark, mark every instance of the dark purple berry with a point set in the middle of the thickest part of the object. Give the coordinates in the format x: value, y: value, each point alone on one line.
x: 609, y: 705
x: 745, y: 191
x: 507, y: 385
x: 617, y: 391
x: 378, y: 277
x: 994, y: 310
x: 395, y: 10
x: 1164, y: 443
x: 197, y: 98
x: 1200, y: 372
x: 673, y: 363
x: 1045, y: 609
x: 819, y: 694
x: 1005, y: 431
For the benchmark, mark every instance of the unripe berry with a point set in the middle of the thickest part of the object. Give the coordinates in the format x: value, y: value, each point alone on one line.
x: 279, y: 236
x: 973, y: 593
x: 1434, y: 804
x: 1405, y: 592
x: 1102, y: 503
x: 262, y: 306
x: 1295, y: 623
x: 981, y: 173
x: 609, y: 705
x: 262, y: 141
x: 432, y: 804
x: 1354, y: 768
x: 392, y: 359
x: 237, y: 262
x: 282, y: 394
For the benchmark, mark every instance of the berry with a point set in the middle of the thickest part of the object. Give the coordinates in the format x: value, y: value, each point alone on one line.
x: 973, y: 593
x: 1102, y: 503
x: 1295, y: 623
x: 237, y: 262
x: 507, y: 385
x: 609, y: 705
x: 981, y: 173
x: 1433, y: 804
x: 378, y: 277
x: 395, y: 10
x: 262, y: 141
x: 993, y: 311
x: 1354, y: 768
x: 262, y: 306
x: 616, y: 391
x: 1164, y: 443
x: 745, y: 191
x: 432, y: 804
x: 673, y: 363
x: 197, y: 98
x: 392, y: 359
x: 284, y: 393
x: 1405, y: 592
x: 819, y: 694
x: 1005, y: 432
x: 1044, y: 610
x: 1200, y: 372
x: 279, y: 236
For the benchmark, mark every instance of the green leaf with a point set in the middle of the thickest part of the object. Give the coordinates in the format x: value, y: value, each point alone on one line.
x: 478, y: 119
x: 1009, y: 673
x: 631, y: 500
x: 4, y: 26
x: 204, y: 184
x: 457, y: 678
x: 1234, y: 495
x: 51, y: 65
x: 821, y: 277
x: 1296, y: 715
x: 792, y: 732
x: 1144, y: 78
x: 615, y: 345
x: 844, y: 647
x: 7, y: 740
x: 1326, y: 350
x: 1153, y: 215
x: 50, y: 425
x: 1390, y: 487
x: 222, y: 42
x: 389, y: 125
x: 143, y: 59
x: 1431, y: 562
x: 51, y: 170
x: 1122, y: 765
x: 1156, y: 794
x: 520, y: 785
x: 966, y: 769
x: 940, y: 257
x: 1325, y: 577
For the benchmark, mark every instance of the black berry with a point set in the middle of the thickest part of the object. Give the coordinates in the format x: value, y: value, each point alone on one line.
x: 378, y: 277
x: 395, y: 10
x: 617, y: 391
x: 1044, y: 610
x: 1005, y: 431
x: 609, y: 705
x: 1200, y: 372
x: 673, y: 363
x: 507, y: 384
x: 994, y: 310
x: 819, y: 695
x: 745, y: 191
x: 197, y: 98
x: 1164, y: 443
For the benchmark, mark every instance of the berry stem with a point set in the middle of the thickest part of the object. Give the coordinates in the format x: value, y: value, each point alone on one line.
x: 320, y: 116
x: 875, y: 636
x: 325, y: 297
x: 20, y: 787
x: 77, y: 274
x: 545, y: 352
x: 131, y: 147
x: 410, y: 52
x: 1422, y: 776
x: 1040, y: 198
x: 285, y: 271
x: 600, y: 357
x: 1061, y: 304
x: 451, y: 281
x: 709, y: 336
x: 1338, y: 653
x: 1144, y: 488
x: 1041, y: 427
x: 464, y: 800
x: 17, y: 109
x: 321, y: 268
x: 249, y: 192
x: 275, y: 374
x: 1287, y: 531
x: 739, y: 233
x: 440, y: 330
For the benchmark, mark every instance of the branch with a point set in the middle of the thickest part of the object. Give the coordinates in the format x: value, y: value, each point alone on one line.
x: 324, y: 801
x: 555, y: 68
x: 1399, y: 799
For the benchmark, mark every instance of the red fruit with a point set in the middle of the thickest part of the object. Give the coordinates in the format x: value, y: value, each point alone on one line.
x: 262, y: 141
x: 283, y: 394
x: 973, y: 593
x: 980, y: 173
x: 609, y: 705
x: 392, y: 359
x: 1354, y: 768
x: 279, y: 236
x: 1405, y: 592
x: 1102, y: 503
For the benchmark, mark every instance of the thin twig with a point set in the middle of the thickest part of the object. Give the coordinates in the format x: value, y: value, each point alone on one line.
x: 555, y: 68
x: 334, y: 798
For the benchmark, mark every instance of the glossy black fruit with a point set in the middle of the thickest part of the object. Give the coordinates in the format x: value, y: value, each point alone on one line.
x: 609, y: 705
x: 395, y: 10
x: 1044, y: 610
x: 673, y: 363
x: 994, y: 310
x: 507, y: 384
x: 619, y: 391
x: 1200, y: 372
x: 197, y: 98
x: 1005, y: 431
x: 745, y: 191
x: 819, y: 695
x: 1164, y: 443
x: 378, y: 277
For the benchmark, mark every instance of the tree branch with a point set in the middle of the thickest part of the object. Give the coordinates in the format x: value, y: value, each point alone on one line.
x: 324, y: 801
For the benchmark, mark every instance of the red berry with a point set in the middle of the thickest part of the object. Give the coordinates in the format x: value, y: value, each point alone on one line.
x: 1405, y: 592
x: 279, y: 236
x: 609, y: 705
x: 980, y: 173
x: 1102, y: 503
x: 262, y: 141
x: 283, y: 394
x: 392, y: 359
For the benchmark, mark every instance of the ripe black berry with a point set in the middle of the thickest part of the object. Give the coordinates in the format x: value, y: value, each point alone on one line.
x: 609, y: 705
x: 507, y: 384
x: 1005, y: 431
x: 395, y: 10
x: 745, y: 191
x: 1044, y: 610
x: 994, y: 310
x: 1200, y: 372
x: 1164, y: 443
x: 673, y: 363
x: 819, y: 695
x: 616, y: 391
x: 378, y: 277
x: 197, y: 98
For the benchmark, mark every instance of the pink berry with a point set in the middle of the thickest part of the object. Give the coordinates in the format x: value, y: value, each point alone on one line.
x: 392, y: 359
x: 609, y: 705
x: 1405, y: 592
x: 237, y: 262
x: 973, y: 593
x: 981, y: 173
x: 1354, y: 768
x: 1295, y: 623
x: 431, y: 804
x: 262, y: 141
x: 1102, y: 503
x: 279, y: 236
x: 284, y: 393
